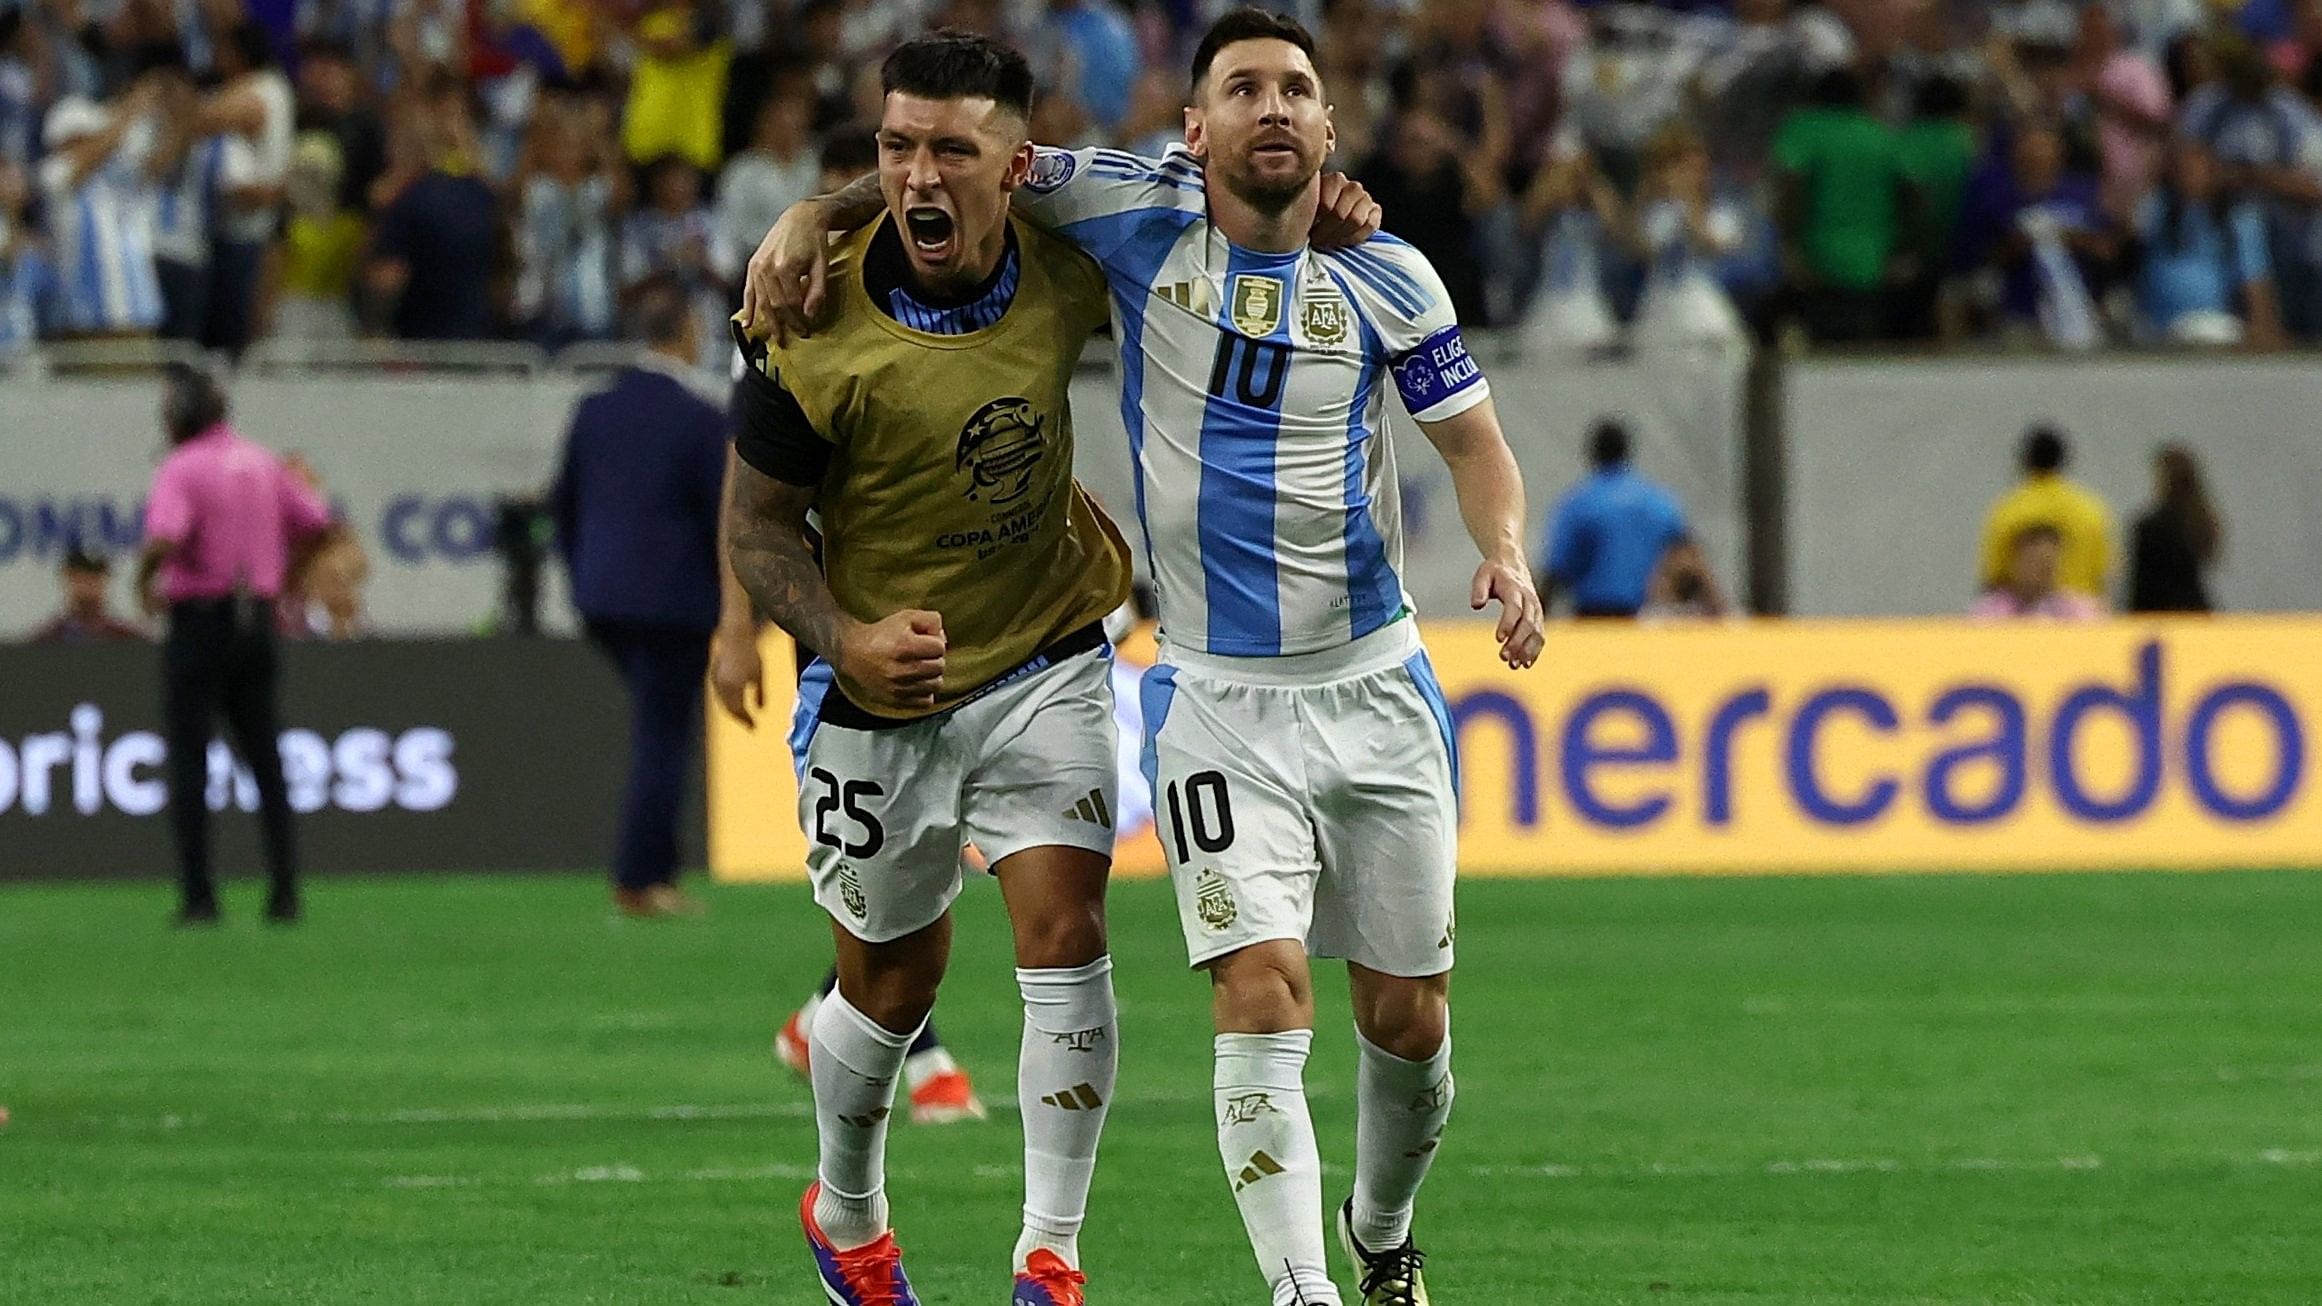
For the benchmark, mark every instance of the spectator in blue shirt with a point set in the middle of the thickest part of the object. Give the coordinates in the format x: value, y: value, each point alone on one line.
x: 1611, y: 532
x: 2205, y: 277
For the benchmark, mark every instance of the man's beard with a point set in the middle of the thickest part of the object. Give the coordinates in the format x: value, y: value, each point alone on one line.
x: 1268, y: 196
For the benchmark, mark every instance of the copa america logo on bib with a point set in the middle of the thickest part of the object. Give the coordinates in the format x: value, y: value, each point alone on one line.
x: 1050, y: 169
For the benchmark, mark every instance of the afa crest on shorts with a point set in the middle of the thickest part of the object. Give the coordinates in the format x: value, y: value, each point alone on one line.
x: 1257, y: 305
x: 851, y: 891
x: 1213, y: 901
x: 1000, y: 447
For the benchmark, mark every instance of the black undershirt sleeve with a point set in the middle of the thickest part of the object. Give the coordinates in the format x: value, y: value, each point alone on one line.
x: 773, y: 433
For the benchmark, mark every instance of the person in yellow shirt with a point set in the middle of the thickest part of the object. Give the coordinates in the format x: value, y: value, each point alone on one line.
x: 677, y: 92
x: 2046, y: 496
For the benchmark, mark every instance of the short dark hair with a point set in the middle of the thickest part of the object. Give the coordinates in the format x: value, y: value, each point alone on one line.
x: 2045, y: 449
x: 659, y: 312
x: 194, y: 402
x: 850, y: 148
x: 1608, y: 443
x: 80, y: 559
x: 949, y: 64
x: 1248, y: 23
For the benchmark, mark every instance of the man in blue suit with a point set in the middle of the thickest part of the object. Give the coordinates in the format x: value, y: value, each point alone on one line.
x: 636, y: 507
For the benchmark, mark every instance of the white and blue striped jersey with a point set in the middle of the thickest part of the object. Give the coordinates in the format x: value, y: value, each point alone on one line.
x: 1253, y: 387
x: 102, y: 233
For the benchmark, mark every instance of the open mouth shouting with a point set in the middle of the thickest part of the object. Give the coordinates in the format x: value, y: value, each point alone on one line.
x: 933, y: 234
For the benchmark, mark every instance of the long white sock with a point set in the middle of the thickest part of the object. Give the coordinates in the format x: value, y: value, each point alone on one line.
x: 1266, y: 1137
x: 1065, y: 1075
x: 854, y: 1064
x: 1400, y: 1110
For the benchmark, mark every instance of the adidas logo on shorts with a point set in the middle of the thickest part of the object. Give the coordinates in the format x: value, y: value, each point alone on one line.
x: 1093, y: 809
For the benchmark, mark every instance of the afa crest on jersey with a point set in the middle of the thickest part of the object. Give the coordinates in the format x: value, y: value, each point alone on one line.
x: 1257, y: 305
x: 1325, y: 317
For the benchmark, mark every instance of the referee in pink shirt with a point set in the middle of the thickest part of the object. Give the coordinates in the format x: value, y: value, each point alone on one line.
x: 222, y: 526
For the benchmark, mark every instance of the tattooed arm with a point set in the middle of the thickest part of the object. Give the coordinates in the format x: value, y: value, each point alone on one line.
x: 895, y: 662
x: 783, y: 292
x: 773, y: 561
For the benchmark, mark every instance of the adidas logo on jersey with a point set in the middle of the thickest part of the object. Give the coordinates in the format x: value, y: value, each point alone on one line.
x: 1093, y: 809
x: 1193, y: 296
x: 1080, y: 1097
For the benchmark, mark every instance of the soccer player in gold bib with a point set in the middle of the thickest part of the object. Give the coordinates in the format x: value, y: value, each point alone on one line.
x: 962, y: 693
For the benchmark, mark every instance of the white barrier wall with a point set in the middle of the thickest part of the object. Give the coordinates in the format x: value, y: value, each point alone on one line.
x: 1893, y: 463
x: 416, y: 465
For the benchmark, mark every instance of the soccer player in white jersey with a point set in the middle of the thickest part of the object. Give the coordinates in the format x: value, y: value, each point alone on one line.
x: 1299, y: 745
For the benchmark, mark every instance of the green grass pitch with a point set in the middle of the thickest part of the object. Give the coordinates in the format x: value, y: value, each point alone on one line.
x: 2069, y: 1089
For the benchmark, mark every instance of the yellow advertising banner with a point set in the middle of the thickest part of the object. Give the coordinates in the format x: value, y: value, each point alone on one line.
x: 1809, y: 746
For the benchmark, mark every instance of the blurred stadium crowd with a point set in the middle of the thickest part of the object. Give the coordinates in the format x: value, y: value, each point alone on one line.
x: 2125, y: 171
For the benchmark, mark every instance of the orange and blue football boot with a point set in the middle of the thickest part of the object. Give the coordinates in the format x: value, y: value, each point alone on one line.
x: 871, y: 1275
x: 1048, y: 1281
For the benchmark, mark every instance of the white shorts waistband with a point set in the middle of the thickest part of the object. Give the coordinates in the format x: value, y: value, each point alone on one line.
x: 1390, y: 645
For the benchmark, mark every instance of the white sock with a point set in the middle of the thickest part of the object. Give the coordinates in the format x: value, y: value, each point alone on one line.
x: 1266, y: 1138
x: 919, y: 1067
x: 854, y: 1063
x: 1400, y: 1109
x: 1065, y: 1075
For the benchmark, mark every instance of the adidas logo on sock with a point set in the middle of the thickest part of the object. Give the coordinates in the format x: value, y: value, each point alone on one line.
x: 1080, y: 1097
x: 1093, y: 809
x: 1261, y: 1166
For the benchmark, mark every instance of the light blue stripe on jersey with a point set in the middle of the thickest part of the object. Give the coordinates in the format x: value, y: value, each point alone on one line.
x: 1422, y: 673
x: 1242, y: 573
x: 1374, y: 593
x: 1154, y: 695
x: 1391, y: 281
x: 813, y: 687
x: 1131, y: 247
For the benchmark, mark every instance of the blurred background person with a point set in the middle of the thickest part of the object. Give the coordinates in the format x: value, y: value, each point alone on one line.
x: 324, y: 599
x: 2204, y: 275
x: 87, y: 615
x: 429, y: 270
x: 2047, y: 497
x: 192, y: 170
x: 1608, y: 535
x: 1572, y: 211
x: 2045, y: 245
x: 2177, y: 539
x: 225, y: 523
x: 672, y: 237
x: 1435, y: 189
x: 308, y: 287
x: 256, y: 104
x: 2028, y: 586
x: 636, y: 503
x: 1841, y: 207
x: 1682, y: 232
x: 1684, y: 588
x: 779, y: 168
x: 99, y: 201
x: 570, y: 198
x: 27, y: 277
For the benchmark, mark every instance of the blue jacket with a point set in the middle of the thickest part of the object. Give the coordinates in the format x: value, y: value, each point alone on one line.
x: 636, y: 503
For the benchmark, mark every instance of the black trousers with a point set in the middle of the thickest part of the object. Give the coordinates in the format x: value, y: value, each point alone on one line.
x: 219, y: 660
x: 662, y: 668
